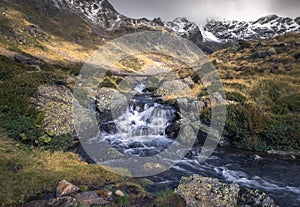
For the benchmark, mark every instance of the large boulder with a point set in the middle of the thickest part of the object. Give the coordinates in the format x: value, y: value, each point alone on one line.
x: 55, y: 102
x: 199, y: 191
x: 110, y: 102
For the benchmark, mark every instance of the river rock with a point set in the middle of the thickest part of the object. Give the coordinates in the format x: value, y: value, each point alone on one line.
x: 284, y: 154
x: 254, y: 198
x: 55, y: 101
x: 65, y: 188
x: 154, y: 167
x: 172, y: 130
x: 199, y: 191
x: 187, y: 136
x: 112, y: 101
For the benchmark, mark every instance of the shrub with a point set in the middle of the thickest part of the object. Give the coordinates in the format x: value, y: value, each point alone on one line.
x: 235, y: 96
x: 24, y: 130
x: 21, y: 128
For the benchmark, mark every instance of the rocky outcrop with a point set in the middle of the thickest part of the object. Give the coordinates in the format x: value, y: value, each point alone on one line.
x: 27, y: 60
x: 200, y: 191
x: 55, y: 102
x: 36, y: 31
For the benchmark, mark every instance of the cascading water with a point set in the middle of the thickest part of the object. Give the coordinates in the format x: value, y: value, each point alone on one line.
x: 140, y: 131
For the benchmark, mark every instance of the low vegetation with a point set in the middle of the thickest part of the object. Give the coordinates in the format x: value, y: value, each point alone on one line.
x: 261, y: 79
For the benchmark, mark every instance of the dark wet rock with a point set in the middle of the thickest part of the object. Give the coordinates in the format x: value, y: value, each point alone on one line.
x: 65, y: 188
x: 172, y: 130
x: 110, y: 128
x: 254, y: 198
x: 54, y: 202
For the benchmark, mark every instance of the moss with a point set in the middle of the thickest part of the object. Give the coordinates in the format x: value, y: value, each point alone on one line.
x: 107, y: 83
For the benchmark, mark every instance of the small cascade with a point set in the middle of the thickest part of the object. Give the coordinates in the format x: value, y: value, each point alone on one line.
x: 140, y: 131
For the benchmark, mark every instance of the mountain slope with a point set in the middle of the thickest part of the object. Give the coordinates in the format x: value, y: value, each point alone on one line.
x: 262, y: 28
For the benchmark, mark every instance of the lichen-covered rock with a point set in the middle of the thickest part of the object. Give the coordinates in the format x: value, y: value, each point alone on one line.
x: 199, y: 191
x: 55, y: 101
x: 254, y: 198
x: 111, y: 101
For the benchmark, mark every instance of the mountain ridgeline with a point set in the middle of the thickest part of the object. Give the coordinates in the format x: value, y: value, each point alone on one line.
x: 105, y: 21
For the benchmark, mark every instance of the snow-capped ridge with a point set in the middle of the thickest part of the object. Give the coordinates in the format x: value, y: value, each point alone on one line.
x: 264, y: 27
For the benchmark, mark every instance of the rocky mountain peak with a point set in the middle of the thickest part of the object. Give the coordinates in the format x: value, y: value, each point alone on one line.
x: 98, y: 12
x: 264, y: 27
x: 186, y: 29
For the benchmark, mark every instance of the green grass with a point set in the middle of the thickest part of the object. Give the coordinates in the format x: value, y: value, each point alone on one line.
x: 29, y: 174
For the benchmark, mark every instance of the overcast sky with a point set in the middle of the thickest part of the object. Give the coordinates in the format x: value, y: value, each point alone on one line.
x: 200, y: 10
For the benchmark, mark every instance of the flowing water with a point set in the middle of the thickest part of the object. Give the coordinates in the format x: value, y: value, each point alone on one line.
x: 140, y: 131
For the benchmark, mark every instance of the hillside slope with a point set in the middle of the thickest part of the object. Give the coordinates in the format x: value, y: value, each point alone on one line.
x: 261, y: 79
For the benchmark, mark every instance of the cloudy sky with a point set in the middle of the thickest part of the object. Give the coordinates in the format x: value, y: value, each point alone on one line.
x: 200, y: 10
